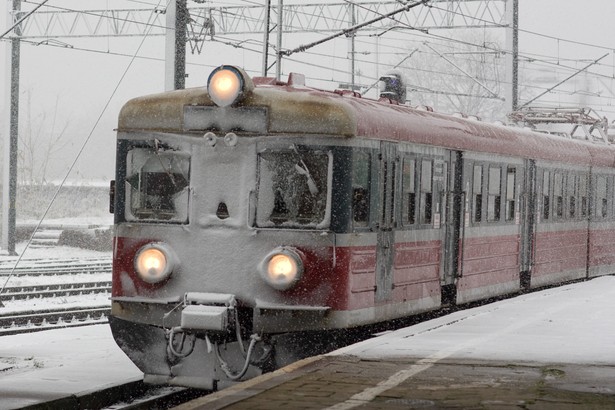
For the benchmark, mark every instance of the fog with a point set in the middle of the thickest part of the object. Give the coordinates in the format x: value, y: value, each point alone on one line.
x: 67, y: 86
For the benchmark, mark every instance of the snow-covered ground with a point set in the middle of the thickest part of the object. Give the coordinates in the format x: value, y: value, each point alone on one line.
x: 569, y: 324
x: 56, y: 252
x: 43, y: 366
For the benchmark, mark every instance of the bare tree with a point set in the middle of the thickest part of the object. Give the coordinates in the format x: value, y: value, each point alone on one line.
x: 40, y: 141
x: 465, y: 76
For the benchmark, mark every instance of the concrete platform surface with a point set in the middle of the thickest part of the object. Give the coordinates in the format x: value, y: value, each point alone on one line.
x: 551, y: 349
x: 346, y: 382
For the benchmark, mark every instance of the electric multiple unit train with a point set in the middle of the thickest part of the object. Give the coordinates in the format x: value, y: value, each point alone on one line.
x: 252, y: 209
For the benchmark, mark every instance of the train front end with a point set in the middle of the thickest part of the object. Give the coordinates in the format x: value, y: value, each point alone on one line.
x: 223, y: 240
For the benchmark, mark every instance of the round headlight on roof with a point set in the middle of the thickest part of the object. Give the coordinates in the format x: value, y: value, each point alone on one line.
x: 228, y: 85
x: 282, y: 268
x: 155, y: 262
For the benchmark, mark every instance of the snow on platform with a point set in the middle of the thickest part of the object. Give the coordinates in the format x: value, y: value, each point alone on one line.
x: 44, y: 366
x: 572, y: 324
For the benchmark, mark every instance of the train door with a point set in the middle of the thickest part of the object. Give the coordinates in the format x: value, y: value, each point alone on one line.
x: 385, y: 253
x: 528, y: 221
x: 453, y: 227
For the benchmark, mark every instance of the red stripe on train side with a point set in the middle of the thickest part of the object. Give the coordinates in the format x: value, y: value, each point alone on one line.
x: 559, y: 251
x: 487, y: 261
x: 416, y: 273
x: 602, y: 247
x: 356, y: 267
x: 125, y: 281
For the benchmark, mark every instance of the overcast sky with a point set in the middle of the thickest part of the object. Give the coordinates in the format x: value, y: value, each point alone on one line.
x: 73, y: 86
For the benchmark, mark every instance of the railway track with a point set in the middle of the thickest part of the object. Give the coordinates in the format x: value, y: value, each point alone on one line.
x: 46, y: 294
x: 34, y: 321
x: 134, y: 395
x: 55, y: 290
x: 50, y: 267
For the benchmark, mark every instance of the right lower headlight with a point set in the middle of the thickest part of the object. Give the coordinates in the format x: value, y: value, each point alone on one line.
x: 155, y: 262
x: 282, y: 268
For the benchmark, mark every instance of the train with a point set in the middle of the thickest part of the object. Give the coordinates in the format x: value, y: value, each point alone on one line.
x: 250, y: 210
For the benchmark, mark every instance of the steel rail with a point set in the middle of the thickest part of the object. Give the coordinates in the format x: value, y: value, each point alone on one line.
x: 33, y: 321
x: 51, y: 267
x: 55, y: 290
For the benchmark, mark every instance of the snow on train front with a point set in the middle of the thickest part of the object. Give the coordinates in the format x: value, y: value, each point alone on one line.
x: 204, y: 279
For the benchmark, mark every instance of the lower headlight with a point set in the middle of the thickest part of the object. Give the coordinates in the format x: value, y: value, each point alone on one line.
x: 155, y: 262
x: 282, y: 268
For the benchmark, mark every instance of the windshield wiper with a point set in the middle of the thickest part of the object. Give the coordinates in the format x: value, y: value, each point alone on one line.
x: 305, y: 171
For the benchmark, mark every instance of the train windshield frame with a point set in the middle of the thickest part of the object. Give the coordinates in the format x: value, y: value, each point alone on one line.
x: 294, y: 187
x: 157, y: 185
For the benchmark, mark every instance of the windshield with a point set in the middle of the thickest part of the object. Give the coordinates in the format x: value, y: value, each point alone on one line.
x: 293, y: 188
x: 157, y: 185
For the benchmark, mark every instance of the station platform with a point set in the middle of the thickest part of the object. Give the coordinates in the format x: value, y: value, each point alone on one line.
x: 552, y: 349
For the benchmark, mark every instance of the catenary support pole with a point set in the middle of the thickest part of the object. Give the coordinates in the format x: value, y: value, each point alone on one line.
x: 175, y: 45
x: 266, y: 39
x: 351, y: 39
x: 512, y: 55
x: 9, y: 190
x: 278, y: 61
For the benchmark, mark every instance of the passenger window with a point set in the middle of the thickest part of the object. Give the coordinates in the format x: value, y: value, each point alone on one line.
x: 409, y: 192
x: 426, y: 191
x: 361, y: 174
x: 571, y: 191
x: 558, y: 195
x: 494, y: 197
x: 546, y: 203
x: 583, y: 195
x: 601, y: 202
x: 511, y: 175
x: 477, y: 190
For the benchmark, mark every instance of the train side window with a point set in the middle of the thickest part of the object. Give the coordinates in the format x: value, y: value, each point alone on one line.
x: 426, y: 191
x: 558, y: 195
x: 477, y: 193
x: 601, y: 202
x: 494, y: 197
x: 409, y: 192
x: 546, y: 203
x: 157, y: 185
x: 511, y: 178
x: 571, y: 191
x: 583, y: 195
x: 361, y: 174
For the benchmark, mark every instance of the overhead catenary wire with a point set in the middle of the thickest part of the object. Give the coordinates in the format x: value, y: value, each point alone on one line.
x: 534, y: 59
x: 490, y: 22
x: 307, y: 63
x: 449, y: 39
x: 352, y: 29
x: 311, y: 64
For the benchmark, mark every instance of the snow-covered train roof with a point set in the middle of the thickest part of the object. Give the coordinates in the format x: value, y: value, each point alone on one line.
x: 292, y: 108
x: 288, y: 111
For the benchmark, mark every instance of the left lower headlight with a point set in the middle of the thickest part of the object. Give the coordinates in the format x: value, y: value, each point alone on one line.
x: 155, y: 262
x: 282, y: 268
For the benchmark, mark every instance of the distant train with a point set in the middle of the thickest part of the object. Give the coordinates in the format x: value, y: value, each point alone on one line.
x: 253, y: 209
